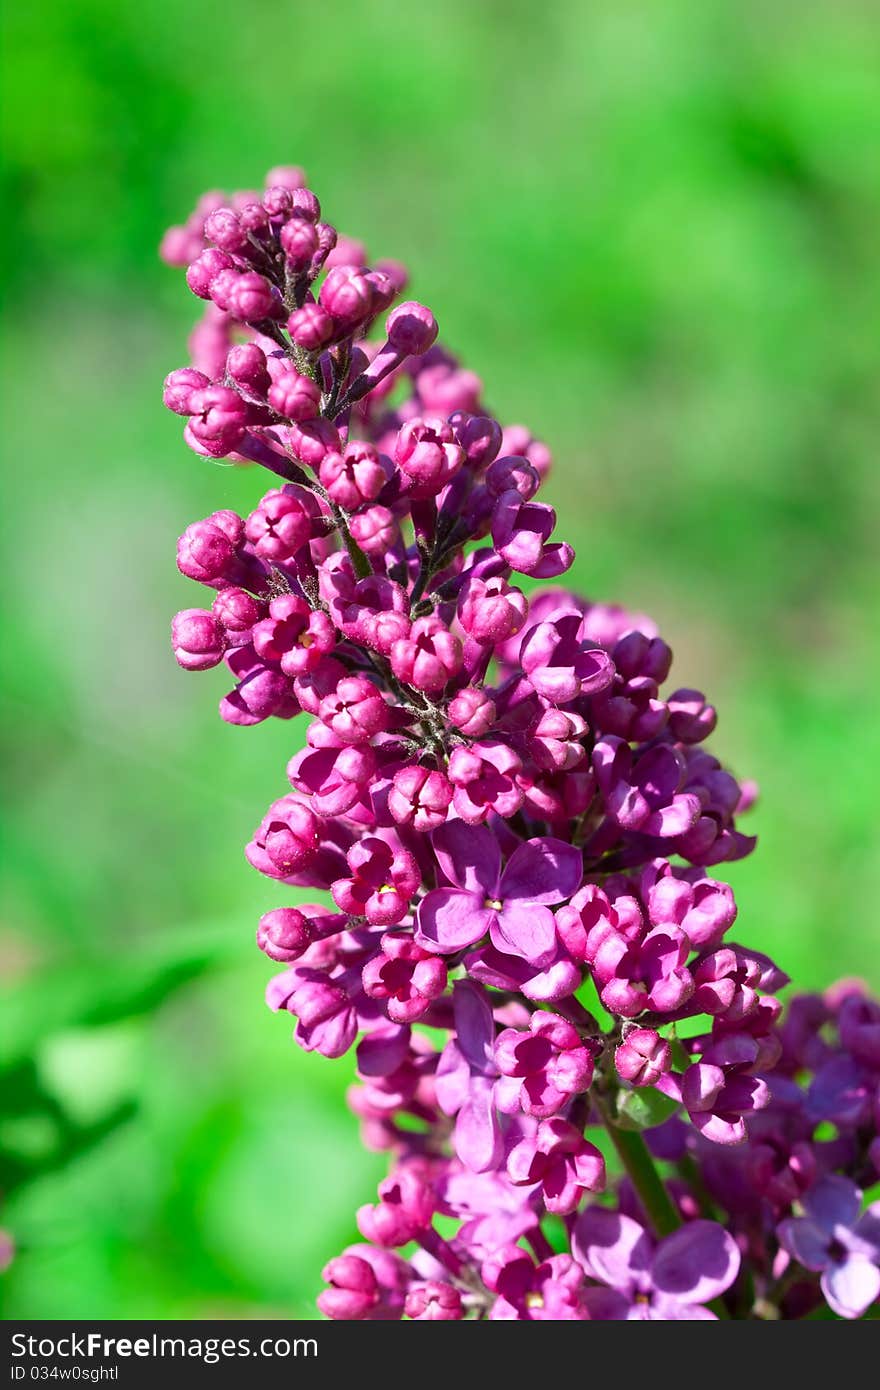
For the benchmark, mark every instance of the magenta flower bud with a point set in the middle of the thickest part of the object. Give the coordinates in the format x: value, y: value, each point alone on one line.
x: 198, y: 639
x: 512, y: 473
x: 281, y: 524
x: 347, y: 296
x: 559, y: 666
x: 237, y: 610
x: 354, y: 1289
x: 355, y: 711
x: 478, y: 435
x: 356, y: 476
x: 251, y: 298
x: 204, y: 271
x: 222, y: 286
x: 312, y: 687
x: 382, y: 883
x: 288, y: 176
x: 411, y: 328
x: 382, y: 630
x: 553, y: 742
x: 541, y: 1068
x: 383, y: 290
x: 293, y: 635
x: 434, y: 1301
x: 327, y: 1018
x: 205, y: 552
x: 218, y: 419
x: 406, y: 1207
x: 311, y: 327
x: 180, y: 245
x: 485, y: 778
x: 311, y: 440
x: 180, y: 387
x: 404, y: 977
x: 284, y: 934
x: 304, y: 203
x: 521, y: 532
x: 294, y: 396
x: 286, y: 839
x: 491, y: 611
x: 428, y: 455
x: 643, y: 1057
x: 277, y: 201
x: 347, y: 252
x: 691, y: 718
x: 420, y: 797
x: 518, y: 440
x: 472, y: 711
x: 375, y: 529
x: 428, y: 657
x: 299, y: 242
x: 562, y: 1161
x: 261, y: 694
x: 246, y: 365
x: 224, y: 228
x: 445, y: 388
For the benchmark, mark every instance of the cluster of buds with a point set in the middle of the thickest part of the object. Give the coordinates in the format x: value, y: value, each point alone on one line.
x: 516, y: 825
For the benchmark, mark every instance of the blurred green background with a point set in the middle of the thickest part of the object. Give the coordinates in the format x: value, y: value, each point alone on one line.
x: 653, y: 230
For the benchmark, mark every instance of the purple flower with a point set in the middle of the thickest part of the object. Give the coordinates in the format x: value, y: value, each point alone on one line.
x: 832, y: 1238
x: 561, y: 1160
x: 541, y: 1068
x: 466, y: 1077
x: 513, y: 906
x: 559, y: 665
x: 719, y: 1091
x: 551, y: 1291
x: 669, y: 1281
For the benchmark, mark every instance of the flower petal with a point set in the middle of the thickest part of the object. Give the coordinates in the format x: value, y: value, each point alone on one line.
x: 542, y: 871
x: 612, y: 1248
x: 469, y: 856
x: 524, y: 930
x: 449, y: 919
x: 851, y: 1286
x: 696, y: 1263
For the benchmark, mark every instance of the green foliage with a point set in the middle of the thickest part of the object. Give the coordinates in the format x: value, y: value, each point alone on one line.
x: 652, y: 229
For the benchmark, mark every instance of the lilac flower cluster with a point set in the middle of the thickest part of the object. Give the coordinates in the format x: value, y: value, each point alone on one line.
x: 514, y: 822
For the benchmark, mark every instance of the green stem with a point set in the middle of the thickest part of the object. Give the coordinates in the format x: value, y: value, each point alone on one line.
x: 634, y: 1155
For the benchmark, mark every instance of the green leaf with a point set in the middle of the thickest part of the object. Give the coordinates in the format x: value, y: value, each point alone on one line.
x: 644, y: 1108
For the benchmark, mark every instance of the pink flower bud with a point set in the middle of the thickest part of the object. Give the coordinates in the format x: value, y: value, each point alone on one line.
x: 198, y: 639
x: 293, y: 395
x: 281, y: 524
x: 205, y: 552
x: 224, y: 228
x: 643, y: 1057
x: 180, y: 387
x: 299, y: 242
x: 355, y: 711
x: 434, y: 1301
x: 356, y: 476
x: 375, y: 530
x: 237, y: 610
x: 204, y: 271
x: 472, y: 711
x: 251, y: 298
x: 354, y: 1290
x: 411, y: 328
x: 347, y: 296
x: 420, y: 797
x: 246, y: 365
x: 311, y: 327
x: 428, y: 657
